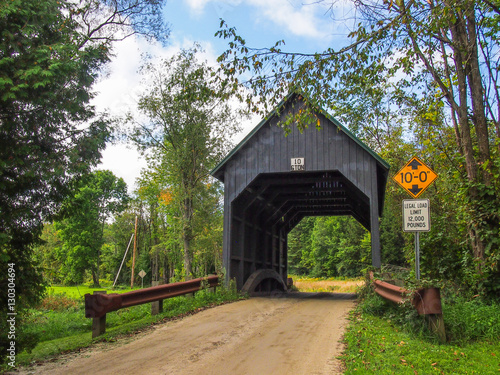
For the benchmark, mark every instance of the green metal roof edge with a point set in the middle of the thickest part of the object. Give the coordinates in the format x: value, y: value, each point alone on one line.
x: 320, y: 110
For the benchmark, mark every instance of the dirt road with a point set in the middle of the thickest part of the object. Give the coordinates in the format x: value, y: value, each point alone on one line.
x: 256, y: 336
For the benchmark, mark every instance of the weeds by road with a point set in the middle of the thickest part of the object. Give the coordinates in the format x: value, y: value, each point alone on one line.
x: 383, y: 338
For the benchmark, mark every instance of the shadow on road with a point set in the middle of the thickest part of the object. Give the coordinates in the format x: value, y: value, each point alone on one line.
x: 308, y: 295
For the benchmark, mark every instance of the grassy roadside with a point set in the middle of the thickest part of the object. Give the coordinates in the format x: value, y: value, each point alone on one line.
x: 384, y: 339
x: 60, y: 324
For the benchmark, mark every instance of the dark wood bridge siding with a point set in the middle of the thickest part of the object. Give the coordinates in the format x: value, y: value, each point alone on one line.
x: 250, y: 245
x: 327, y: 149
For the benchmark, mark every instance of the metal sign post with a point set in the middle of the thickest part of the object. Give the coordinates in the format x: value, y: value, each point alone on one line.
x: 417, y: 255
x: 415, y: 177
x: 416, y: 218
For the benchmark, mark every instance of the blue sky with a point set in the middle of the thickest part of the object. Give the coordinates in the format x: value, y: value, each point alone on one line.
x: 305, y: 28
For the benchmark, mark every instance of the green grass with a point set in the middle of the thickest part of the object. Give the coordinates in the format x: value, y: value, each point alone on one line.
x: 385, y: 339
x: 64, y: 328
x: 79, y: 291
x: 375, y: 346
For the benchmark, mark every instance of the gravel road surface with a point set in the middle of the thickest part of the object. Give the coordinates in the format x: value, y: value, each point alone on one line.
x: 293, y: 335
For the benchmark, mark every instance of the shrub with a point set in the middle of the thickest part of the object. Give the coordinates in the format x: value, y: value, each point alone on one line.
x: 470, y: 320
x: 58, y: 302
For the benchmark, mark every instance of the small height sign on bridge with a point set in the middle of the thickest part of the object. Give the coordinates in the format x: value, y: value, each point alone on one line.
x: 298, y: 164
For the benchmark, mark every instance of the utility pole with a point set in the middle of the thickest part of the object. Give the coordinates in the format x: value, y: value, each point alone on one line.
x: 133, y: 256
x: 123, y: 260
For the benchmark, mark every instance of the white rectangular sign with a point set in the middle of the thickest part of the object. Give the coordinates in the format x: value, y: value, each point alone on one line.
x: 416, y: 215
x: 298, y: 164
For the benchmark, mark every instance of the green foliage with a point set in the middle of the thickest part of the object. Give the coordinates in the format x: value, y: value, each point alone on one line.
x: 471, y: 320
x: 299, y: 247
x: 384, y: 338
x: 376, y: 346
x: 466, y: 319
x: 50, y: 56
x: 118, y: 236
x: 392, y: 242
x: 48, y: 254
x: 97, y: 197
x: 186, y: 135
x: 329, y: 246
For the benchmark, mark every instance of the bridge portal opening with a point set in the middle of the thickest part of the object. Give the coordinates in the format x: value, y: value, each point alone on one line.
x: 328, y: 246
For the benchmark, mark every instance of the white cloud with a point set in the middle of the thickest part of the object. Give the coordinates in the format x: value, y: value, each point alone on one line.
x: 197, y: 6
x: 125, y: 162
x: 296, y: 17
x: 118, y: 94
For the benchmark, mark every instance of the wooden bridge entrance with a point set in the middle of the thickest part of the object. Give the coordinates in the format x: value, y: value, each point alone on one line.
x: 272, y: 181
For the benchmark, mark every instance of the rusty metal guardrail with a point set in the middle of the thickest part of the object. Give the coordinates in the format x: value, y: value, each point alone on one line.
x: 427, y: 301
x: 97, y: 305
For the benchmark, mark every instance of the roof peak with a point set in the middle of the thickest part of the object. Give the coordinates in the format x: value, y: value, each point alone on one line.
x: 216, y: 172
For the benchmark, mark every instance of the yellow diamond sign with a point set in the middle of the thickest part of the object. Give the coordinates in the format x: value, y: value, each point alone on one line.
x: 415, y: 177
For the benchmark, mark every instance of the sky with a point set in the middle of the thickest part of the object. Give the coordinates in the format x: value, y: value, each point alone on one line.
x: 304, y: 26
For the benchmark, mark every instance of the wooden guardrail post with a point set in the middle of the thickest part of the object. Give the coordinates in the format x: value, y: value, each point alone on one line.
x: 428, y: 302
x: 436, y: 324
x: 99, y: 324
x: 212, y: 289
x: 156, y: 306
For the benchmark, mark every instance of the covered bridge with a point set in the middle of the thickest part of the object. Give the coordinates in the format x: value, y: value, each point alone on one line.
x: 272, y: 181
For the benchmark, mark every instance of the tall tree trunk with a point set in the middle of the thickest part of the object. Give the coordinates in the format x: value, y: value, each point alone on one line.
x: 462, y: 66
x: 187, y: 236
x: 187, y: 256
x: 95, y: 277
x: 459, y: 38
x: 477, y: 95
x: 166, y: 270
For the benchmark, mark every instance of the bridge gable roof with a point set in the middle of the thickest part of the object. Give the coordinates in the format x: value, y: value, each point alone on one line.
x: 218, y: 171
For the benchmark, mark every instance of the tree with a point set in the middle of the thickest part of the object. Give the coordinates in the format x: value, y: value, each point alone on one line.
x: 188, y: 130
x: 119, y: 236
x: 433, y: 62
x: 46, y: 254
x: 51, y: 52
x: 329, y: 246
x: 96, y: 199
x: 299, y: 246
